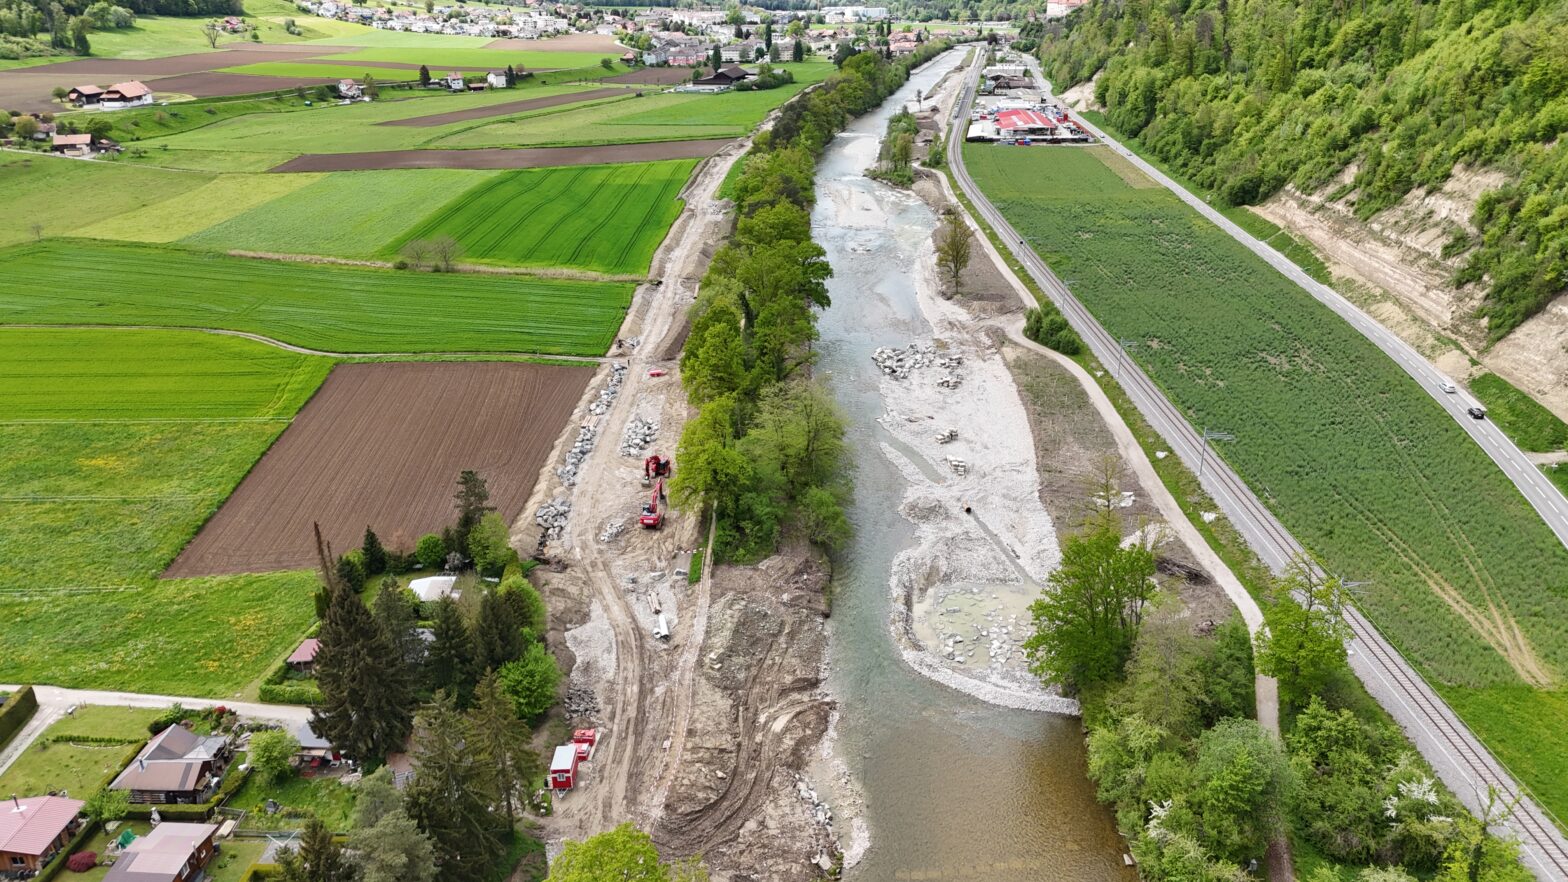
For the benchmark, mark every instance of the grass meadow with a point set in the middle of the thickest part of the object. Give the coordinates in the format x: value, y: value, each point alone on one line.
x: 64, y: 195
x: 331, y: 308
x: 220, y: 198
x: 472, y: 58
x: 1362, y: 466
x: 117, y: 444
x: 608, y: 218
x: 342, y: 214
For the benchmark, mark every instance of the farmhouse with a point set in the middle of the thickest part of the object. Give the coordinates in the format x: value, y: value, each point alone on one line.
x: 349, y: 89
x: 176, y: 766
x: 33, y: 830
x: 131, y: 94
x: 303, y: 659
x: 85, y: 96
x: 496, y: 79
x: 78, y: 145
x: 454, y: 82
x: 170, y: 853
x: 721, y: 79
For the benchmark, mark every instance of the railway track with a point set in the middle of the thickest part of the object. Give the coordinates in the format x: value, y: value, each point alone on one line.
x: 1464, y: 764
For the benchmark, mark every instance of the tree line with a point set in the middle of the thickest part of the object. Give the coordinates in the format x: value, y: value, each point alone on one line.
x: 1367, y: 101
x: 1199, y: 788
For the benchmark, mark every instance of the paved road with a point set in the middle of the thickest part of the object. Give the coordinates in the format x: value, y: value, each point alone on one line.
x: 53, y: 702
x: 1465, y: 766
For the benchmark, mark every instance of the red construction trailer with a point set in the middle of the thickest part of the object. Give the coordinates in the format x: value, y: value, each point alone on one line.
x: 563, y: 767
x: 585, y: 739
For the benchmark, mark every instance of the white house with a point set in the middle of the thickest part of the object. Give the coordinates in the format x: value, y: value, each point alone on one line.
x: 496, y: 79
x: 131, y: 94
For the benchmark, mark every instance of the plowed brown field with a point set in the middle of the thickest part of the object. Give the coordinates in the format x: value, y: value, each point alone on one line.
x: 380, y: 445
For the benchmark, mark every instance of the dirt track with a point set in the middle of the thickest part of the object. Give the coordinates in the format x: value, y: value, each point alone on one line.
x: 452, y: 116
x: 501, y: 157
x: 381, y: 445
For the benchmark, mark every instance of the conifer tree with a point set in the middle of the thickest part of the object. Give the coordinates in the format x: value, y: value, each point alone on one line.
x: 472, y: 500
x: 397, y: 612
x: 449, y: 665
x: 503, y: 743
x: 451, y: 794
x: 317, y: 859
x: 367, y: 694
x: 498, y: 636
x: 375, y: 555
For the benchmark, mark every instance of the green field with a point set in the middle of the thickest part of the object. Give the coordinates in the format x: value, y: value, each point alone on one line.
x: 474, y: 58
x: 214, y: 202
x: 117, y: 444
x: 1357, y: 461
x: 78, y: 769
x: 332, y: 308
x: 343, y: 214
x: 355, y: 72
x: 64, y: 195
x: 1526, y: 420
x: 669, y: 116
x: 608, y: 218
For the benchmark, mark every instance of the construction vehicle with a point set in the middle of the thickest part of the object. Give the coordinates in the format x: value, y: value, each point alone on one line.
x: 655, y: 467
x: 652, y: 517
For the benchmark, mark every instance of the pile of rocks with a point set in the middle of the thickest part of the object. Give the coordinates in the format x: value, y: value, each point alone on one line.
x: 897, y: 363
x: 639, y: 434
x: 947, y: 436
x: 552, y: 517
x: 822, y: 816
x: 950, y: 381
x: 586, y: 436
x: 581, y: 704
x: 612, y: 531
x: 960, y: 467
x: 607, y: 395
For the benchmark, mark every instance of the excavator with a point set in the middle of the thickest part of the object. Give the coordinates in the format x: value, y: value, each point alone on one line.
x: 655, y: 467
x: 652, y: 517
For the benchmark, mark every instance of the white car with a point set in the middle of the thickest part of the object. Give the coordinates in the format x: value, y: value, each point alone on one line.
x: 1447, y: 386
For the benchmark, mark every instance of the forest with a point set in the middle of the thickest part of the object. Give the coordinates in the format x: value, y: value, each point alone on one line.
x: 1247, y: 96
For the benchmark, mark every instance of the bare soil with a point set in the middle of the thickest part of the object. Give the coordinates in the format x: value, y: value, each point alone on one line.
x: 215, y: 85
x: 380, y: 445
x: 653, y: 76
x: 509, y: 107
x: 500, y: 157
x: 28, y: 89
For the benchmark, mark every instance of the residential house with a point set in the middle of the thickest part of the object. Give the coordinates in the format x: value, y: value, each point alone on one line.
x: 303, y: 659
x: 721, y: 79
x: 655, y: 57
x: 129, y: 94
x: 176, y: 766
x: 33, y: 830
x: 746, y: 50
x: 496, y: 79
x: 78, y: 145
x: 313, y: 749
x: 454, y: 82
x: 170, y: 853
x: 689, y: 54
x: 349, y: 89
x: 85, y: 96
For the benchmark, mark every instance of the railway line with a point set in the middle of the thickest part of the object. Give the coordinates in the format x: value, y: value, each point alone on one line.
x: 1464, y: 764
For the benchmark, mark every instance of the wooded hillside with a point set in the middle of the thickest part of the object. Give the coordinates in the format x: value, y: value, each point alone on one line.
x: 1245, y: 97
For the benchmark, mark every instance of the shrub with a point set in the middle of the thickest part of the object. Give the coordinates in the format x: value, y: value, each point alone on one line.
x: 82, y: 861
x: 431, y: 551
x: 108, y: 805
x: 1047, y: 327
x: 15, y: 712
x: 530, y: 681
x: 272, y: 753
x: 168, y: 718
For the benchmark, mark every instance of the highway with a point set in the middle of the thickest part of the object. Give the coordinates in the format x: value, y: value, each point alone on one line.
x: 1464, y: 764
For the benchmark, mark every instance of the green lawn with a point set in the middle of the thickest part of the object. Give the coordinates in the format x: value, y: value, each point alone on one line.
x: 608, y: 218
x: 126, y: 441
x: 373, y: 38
x: 343, y: 214
x: 78, y: 768
x: 323, y: 797
x: 1359, y: 462
x: 333, y: 308
x: 159, y: 36
x: 355, y: 72
x: 65, y: 195
x: 192, y: 211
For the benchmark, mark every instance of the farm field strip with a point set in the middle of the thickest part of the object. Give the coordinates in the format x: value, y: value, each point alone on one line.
x: 214, y: 202
x: 332, y: 308
x: 65, y: 195
x: 541, y: 218
x: 126, y: 441
x: 494, y: 59
x: 380, y: 445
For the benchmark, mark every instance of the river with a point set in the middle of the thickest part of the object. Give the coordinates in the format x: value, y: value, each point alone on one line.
x: 953, y: 787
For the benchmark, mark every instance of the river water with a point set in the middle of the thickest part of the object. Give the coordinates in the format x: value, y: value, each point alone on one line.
x: 954, y: 788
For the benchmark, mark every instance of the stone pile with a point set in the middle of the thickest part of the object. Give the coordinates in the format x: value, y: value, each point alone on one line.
x: 586, y: 436
x: 552, y: 517
x: 638, y: 436
x: 581, y: 703
x: 897, y: 363
x: 612, y: 531
x: 960, y: 467
x: 950, y: 381
x: 947, y: 436
x: 822, y: 816
x: 607, y: 395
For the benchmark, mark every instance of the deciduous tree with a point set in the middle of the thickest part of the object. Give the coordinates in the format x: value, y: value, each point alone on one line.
x: 271, y: 754
x: 954, y: 247
x: 530, y: 681
x: 1304, y: 643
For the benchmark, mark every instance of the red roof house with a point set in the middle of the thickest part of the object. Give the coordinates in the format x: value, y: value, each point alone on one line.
x: 33, y: 830
x: 304, y: 658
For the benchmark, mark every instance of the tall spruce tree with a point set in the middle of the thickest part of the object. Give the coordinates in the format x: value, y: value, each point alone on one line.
x: 503, y: 743
x: 367, y: 696
x: 375, y: 555
x: 397, y: 612
x: 449, y: 664
x: 472, y: 500
x: 317, y: 859
x: 498, y: 635
x: 451, y: 795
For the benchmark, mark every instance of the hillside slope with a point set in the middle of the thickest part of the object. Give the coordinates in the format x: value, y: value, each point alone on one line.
x: 1351, y: 108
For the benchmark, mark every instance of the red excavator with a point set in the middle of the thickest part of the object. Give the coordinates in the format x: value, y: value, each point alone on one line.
x: 652, y: 517
x: 655, y: 467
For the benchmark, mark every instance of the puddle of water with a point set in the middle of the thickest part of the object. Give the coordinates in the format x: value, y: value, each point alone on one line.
x: 955, y: 788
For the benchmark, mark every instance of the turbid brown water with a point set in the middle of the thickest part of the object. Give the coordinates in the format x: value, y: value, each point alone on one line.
x: 954, y: 788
